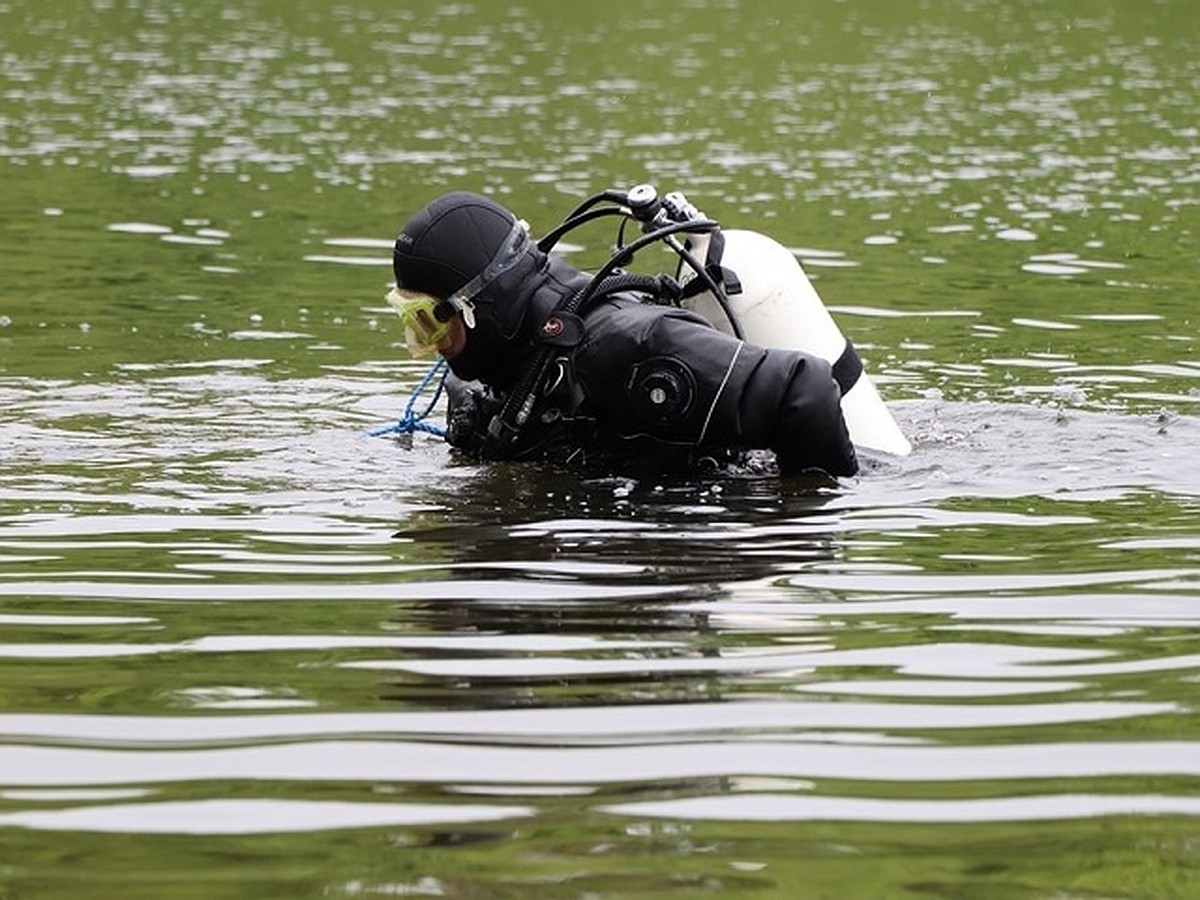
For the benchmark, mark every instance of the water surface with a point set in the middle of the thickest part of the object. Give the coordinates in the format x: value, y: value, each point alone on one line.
x: 246, y: 649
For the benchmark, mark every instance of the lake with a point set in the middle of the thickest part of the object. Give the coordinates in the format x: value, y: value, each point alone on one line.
x: 247, y: 650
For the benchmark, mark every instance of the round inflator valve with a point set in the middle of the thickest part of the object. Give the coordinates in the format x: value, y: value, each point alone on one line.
x: 663, y: 389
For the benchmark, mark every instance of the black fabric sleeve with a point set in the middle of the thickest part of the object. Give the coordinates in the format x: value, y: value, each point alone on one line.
x: 790, y: 402
x: 717, y: 391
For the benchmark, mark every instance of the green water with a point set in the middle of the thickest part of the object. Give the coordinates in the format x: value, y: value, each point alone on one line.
x: 247, y: 651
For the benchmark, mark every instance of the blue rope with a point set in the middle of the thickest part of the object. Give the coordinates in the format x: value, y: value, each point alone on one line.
x: 410, y: 421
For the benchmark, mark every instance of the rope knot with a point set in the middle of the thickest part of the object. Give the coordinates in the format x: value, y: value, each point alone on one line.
x: 411, y: 421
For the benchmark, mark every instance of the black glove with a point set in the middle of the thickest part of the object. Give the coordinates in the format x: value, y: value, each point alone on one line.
x: 471, y: 407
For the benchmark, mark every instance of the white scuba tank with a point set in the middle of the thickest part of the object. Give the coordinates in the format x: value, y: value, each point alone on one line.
x: 778, y: 307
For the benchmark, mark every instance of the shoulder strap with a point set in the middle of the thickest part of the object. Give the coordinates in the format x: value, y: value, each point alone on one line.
x: 727, y: 278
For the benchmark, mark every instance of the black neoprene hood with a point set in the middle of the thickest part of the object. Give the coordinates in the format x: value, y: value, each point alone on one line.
x: 468, y: 250
x: 449, y: 242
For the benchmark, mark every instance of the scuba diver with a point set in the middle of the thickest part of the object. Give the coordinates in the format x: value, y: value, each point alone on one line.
x: 607, y: 369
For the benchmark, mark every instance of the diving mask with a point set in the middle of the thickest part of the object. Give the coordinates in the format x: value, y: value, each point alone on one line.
x: 426, y: 319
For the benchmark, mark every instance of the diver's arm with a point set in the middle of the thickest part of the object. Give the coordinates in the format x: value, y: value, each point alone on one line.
x: 669, y: 375
x: 790, y: 402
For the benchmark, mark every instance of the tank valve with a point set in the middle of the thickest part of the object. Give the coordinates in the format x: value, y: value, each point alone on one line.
x: 643, y: 202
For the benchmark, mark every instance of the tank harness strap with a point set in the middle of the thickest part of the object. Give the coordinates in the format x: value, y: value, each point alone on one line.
x: 712, y: 266
x: 847, y: 368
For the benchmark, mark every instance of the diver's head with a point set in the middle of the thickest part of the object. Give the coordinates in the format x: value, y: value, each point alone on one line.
x: 460, y: 266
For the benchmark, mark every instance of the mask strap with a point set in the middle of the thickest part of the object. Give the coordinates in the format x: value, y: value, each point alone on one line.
x: 512, y: 248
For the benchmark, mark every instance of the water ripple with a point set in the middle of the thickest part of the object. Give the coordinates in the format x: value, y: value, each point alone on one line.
x: 229, y: 817
x: 774, y: 808
x: 595, y: 724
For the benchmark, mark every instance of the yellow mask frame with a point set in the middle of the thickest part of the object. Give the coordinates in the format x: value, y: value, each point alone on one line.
x: 424, y: 332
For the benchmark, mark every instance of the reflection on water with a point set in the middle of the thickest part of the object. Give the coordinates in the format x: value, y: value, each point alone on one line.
x: 244, y: 644
x: 515, y: 628
x: 297, y: 635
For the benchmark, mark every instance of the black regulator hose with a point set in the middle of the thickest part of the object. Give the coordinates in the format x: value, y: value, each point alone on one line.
x: 714, y: 288
x: 624, y: 254
x: 610, y: 195
x: 546, y: 242
x: 643, y: 212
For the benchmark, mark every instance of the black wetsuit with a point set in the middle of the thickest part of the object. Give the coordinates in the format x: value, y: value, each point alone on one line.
x: 658, y: 386
x: 642, y: 383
